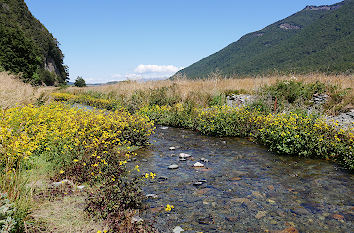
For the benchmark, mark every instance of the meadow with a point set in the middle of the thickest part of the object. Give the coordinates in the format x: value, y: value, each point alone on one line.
x: 48, y: 151
x: 44, y: 139
x: 288, y: 127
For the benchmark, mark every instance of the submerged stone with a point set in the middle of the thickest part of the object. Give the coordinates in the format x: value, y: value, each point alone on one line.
x: 204, y: 160
x: 173, y: 166
x: 198, y: 164
x: 177, y: 229
x: 151, y: 195
x: 184, y: 155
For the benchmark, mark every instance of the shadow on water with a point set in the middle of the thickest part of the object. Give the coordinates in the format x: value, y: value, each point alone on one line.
x: 247, y: 189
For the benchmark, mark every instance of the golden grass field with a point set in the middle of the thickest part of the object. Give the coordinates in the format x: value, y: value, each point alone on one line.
x: 214, y: 85
x: 13, y: 91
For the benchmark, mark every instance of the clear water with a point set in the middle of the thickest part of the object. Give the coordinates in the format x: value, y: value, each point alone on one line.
x: 248, y: 189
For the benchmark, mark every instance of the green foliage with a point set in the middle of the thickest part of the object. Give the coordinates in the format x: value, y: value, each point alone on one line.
x: 80, y: 82
x: 323, y: 42
x: 113, y: 197
x: 7, y: 212
x: 292, y: 91
x: 18, y: 53
x: 26, y: 46
x: 284, y: 133
x: 217, y: 100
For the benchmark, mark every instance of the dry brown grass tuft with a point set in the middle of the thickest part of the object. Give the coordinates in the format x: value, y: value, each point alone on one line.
x: 215, y: 85
x: 66, y: 215
x: 13, y: 91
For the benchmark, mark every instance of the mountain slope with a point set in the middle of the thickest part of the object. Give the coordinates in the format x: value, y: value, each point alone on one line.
x: 27, y: 47
x: 316, y: 39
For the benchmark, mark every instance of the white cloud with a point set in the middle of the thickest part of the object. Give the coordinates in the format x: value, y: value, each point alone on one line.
x: 133, y: 76
x: 148, y: 72
x: 145, y: 69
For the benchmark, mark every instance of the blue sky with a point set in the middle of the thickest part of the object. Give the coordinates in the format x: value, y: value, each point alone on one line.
x: 114, y: 39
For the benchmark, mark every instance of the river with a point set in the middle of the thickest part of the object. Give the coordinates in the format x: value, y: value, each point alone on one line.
x: 242, y: 188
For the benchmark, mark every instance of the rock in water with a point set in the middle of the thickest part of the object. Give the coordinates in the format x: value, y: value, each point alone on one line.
x: 172, y: 148
x: 173, y: 166
x: 151, y: 195
x: 261, y: 214
x: 198, y: 164
x: 177, y: 229
x: 198, y: 183
x: 184, y: 155
x: 162, y: 178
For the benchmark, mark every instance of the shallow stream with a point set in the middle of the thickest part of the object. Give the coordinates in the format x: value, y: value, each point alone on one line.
x: 244, y: 187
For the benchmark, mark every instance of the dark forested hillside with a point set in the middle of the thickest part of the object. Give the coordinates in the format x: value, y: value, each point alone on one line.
x: 27, y: 47
x: 316, y: 39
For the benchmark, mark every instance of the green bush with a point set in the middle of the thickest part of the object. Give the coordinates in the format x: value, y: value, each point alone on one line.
x: 80, y: 82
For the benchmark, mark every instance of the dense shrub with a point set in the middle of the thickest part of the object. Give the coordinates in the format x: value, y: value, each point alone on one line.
x: 80, y: 82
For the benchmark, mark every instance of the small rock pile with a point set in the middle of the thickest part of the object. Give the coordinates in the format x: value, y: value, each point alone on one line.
x: 319, y: 98
x: 238, y: 100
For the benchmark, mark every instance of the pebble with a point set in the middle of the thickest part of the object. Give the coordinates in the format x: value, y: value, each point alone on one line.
x: 173, y: 166
x: 151, y: 195
x: 271, y: 201
x: 164, y: 127
x: 338, y: 216
x: 177, y: 229
x: 257, y: 194
x: 184, y: 155
x: 162, y: 178
x: 198, y: 183
x: 198, y: 164
x: 206, y: 220
x: 261, y: 214
x: 144, y: 160
x: 65, y: 181
x: 289, y: 230
x: 273, y: 222
x: 172, y: 148
x: 204, y: 160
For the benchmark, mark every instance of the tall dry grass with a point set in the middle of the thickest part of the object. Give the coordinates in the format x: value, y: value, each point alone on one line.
x: 14, y: 92
x: 214, y: 84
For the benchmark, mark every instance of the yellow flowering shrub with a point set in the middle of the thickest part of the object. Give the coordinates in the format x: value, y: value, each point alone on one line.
x: 68, y: 136
x: 284, y: 133
x: 108, y: 104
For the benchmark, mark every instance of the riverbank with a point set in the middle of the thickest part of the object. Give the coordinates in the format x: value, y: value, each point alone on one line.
x: 56, y: 153
x: 278, y: 117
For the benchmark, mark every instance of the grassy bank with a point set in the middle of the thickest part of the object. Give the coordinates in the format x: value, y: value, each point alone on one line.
x: 204, y: 93
x: 278, y: 117
x: 59, y: 143
x: 14, y: 92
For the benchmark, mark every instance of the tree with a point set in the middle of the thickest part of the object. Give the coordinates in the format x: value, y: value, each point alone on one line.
x: 80, y: 82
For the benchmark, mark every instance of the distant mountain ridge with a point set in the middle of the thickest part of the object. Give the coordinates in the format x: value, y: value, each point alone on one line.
x: 27, y: 47
x: 315, y: 39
